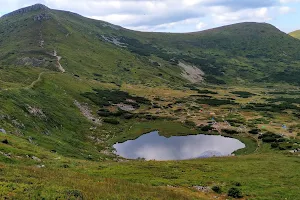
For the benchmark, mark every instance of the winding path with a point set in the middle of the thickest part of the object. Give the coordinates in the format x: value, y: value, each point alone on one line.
x: 58, y: 58
x: 36, y: 81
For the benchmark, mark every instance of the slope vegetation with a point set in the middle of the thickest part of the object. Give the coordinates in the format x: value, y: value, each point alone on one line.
x: 239, y: 53
x: 295, y: 34
x: 71, y: 87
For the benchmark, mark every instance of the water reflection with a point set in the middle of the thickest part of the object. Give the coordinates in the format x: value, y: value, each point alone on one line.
x: 152, y: 146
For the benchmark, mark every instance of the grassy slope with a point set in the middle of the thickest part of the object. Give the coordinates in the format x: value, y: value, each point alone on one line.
x: 66, y: 132
x: 239, y: 53
x: 246, y: 51
x: 295, y: 34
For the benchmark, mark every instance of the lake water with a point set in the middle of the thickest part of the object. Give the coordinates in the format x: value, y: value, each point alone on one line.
x: 152, y: 146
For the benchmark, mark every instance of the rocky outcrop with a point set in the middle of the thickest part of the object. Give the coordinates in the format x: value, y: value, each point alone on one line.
x: 41, y: 17
x: 36, y: 62
x: 27, y: 9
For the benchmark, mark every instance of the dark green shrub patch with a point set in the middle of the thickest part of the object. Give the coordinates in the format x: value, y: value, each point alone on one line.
x: 286, y: 92
x: 190, y: 123
x: 235, y: 122
x: 254, y: 131
x: 235, y: 193
x: 206, y: 128
x: 285, y: 100
x: 243, y: 94
x: 128, y: 116
x: 214, y: 80
x: 108, y: 97
x: 217, y: 189
x: 215, y: 102
x: 5, y: 141
x: 286, y: 146
x: 206, y: 92
x: 238, y: 184
x: 111, y: 121
x: 270, y: 137
x: 270, y: 107
x: 229, y: 131
x: 275, y: 145
x: 106, y: 113
x: 150, y: 117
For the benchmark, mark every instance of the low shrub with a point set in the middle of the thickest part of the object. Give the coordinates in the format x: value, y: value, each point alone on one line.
x: 5, y: 141
x: 190, y: 123
x: 254, y: 131
x: 229, y: 131
x: 243, y: 94
x: 206, y: 128
x: 217, y: 189
x: 111, y: 121
x: 235, y: 193
x: 271, y: 138
x: 215, y: 102
x: 274, y: 145
x: 238, y: 184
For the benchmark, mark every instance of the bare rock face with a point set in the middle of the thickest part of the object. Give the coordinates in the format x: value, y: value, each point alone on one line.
x: 26, y: 61
x: 41, y: 17
x: 27, y: 9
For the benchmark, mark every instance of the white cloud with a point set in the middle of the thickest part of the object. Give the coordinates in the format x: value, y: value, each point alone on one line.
x: 166, y: 15
x: 288, y: 1
x: 200, y: 25
x: 257, y: 15
x: 284, y: 9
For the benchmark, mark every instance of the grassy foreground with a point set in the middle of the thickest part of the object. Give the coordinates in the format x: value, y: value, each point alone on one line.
x: 59, y: 154
x: 259, y: 176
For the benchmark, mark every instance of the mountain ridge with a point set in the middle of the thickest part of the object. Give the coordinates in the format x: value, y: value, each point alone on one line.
x: 35, y: 7
x: 72, y: 87
x: 226, y: 54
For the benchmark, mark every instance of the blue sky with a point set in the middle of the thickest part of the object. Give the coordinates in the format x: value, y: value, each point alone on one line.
x: 176, y: 15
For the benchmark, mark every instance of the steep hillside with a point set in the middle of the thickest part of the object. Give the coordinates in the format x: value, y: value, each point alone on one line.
x: 240, y: 53
x: 247, y: 51
x: 31, y: 36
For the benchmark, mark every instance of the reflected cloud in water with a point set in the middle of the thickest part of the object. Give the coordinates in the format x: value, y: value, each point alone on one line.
x: 152, y: 146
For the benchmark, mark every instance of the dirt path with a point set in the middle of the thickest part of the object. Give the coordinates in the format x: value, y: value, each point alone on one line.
x: 29, y: 86
x: 58, y: 58
x: 36, y: 81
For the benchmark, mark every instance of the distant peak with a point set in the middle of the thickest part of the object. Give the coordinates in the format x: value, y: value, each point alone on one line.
x: 40, y: 6
x: 34, y: 7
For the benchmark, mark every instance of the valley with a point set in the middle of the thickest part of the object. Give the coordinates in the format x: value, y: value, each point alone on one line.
x: 64, y: 104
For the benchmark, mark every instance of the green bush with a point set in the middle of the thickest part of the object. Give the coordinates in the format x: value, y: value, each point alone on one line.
x: 229, y: 131
x: 74, y: 194
x: 235, y: 193
x: 111, y: 121
x: 128, y: 116
x: 243, y: 94
x: 238, y: 184
x: 215, y: 102
x: 190, y: 123
x: 217, y: 189
x: 268, y: 139
x: 254, y: 131
x: 206, y: 128
x: 274, y: 145
x: 108, y: 97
